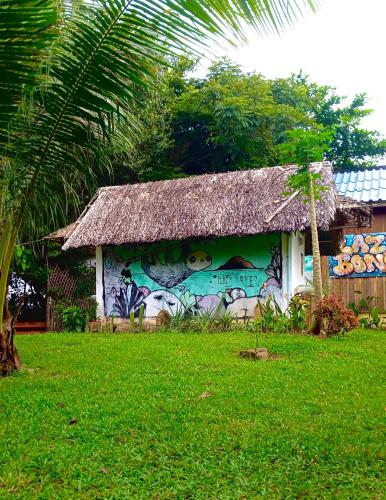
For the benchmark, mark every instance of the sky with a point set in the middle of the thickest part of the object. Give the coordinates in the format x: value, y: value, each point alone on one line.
x: 342, y: 45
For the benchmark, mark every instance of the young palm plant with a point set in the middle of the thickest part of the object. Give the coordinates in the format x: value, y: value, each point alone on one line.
x: 304, y: 148
x: 69, y: 78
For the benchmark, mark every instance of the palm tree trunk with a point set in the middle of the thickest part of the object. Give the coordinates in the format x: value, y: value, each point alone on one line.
x: 317, y: 267
x: 316, y: 327
x: 9, y: 359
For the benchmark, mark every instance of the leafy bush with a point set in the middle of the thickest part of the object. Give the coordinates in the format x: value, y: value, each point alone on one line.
x: 81, y: 297
x: 334, y: 317
x: 373, y: 319
x: 297, y: 312
x: 283, y: 325
x: 227, y: 321
x: 74, y: 319
x: 354, y: 308
x: 203, y: 321
x: 269, y: 313
x: 178, y: 321
x: 273, y: 319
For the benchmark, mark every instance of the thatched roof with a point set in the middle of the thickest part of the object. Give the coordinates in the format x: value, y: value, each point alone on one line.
x: 61, y: 234
x: 235, y: 203
x: 352, y: 213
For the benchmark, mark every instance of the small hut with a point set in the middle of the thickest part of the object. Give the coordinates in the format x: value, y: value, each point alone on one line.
x: 206, y: 243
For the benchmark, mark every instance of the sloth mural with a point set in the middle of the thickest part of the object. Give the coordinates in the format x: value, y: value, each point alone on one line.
x: 212, y: 275
x: 363, y: 255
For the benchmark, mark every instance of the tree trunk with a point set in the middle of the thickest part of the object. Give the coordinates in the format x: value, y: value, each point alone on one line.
x: 317, y: 267
x: 9, y: 359
x: 315, y: 327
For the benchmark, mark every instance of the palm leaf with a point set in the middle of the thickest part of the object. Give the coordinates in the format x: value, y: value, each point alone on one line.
x: 26, y: 33
x: 104, y: 56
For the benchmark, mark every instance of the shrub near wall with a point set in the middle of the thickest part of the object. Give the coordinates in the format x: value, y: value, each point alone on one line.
x: 335, y: 318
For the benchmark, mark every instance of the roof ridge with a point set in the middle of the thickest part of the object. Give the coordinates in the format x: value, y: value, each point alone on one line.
x: 212, y: 174
x: 359, y: 169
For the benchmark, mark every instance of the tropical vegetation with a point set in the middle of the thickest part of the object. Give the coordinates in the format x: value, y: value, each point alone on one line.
x: 71, y: 73
x: 232, y: 120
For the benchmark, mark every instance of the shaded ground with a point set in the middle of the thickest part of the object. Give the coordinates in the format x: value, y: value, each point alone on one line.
x: 182, y: 416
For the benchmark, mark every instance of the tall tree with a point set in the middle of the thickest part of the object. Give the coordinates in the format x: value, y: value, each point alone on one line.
x: 351, y: 145
x: 305, y: 148
x: 71, y: 78
x: 227, y: 121
x: 233, y: 120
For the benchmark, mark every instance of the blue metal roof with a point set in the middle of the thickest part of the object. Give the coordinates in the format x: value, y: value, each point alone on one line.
x: 367, y: 185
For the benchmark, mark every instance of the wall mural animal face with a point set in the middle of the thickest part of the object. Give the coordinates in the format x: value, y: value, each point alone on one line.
x: 216, y: 275
x: 198, y: 261
x: 161, y: 300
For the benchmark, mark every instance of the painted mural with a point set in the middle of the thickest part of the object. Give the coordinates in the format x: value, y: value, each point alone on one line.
x: 309, y: 269
x: 364, y: 255
x: 211, y: 275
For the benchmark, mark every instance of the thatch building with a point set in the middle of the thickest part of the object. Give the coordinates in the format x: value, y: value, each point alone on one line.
x: 210, y: 242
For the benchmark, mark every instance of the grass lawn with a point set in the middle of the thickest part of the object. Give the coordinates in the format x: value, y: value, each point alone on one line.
x: 182, y: 416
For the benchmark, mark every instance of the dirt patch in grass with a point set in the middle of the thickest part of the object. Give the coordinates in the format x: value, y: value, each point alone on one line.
x: 326, y: 354
x: 260, y: 354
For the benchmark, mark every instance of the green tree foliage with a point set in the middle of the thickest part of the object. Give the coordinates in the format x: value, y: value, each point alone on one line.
x: 233, y: 120
x: 350, y: 145
x: 226, y: 121
x: 143, y: 158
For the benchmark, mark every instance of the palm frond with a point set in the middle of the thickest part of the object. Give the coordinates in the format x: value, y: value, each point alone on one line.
x: 26, y: 33
x: 104, y: 56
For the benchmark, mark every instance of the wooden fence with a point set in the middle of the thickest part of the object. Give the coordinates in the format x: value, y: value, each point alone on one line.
x: 61, y: 286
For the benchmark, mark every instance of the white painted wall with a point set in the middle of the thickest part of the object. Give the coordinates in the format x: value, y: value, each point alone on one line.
x: 285, y: 269
x: 296, y: 249
x: 99, y: 282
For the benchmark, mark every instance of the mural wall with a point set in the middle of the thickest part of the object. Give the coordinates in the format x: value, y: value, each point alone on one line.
x: 364, y: 255
x: 210, y: 275
x: 309, y: 269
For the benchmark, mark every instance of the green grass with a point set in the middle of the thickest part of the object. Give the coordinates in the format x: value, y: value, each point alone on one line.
x: 305, y: 425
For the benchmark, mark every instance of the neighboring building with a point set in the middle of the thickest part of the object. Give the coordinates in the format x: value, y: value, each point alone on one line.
x: 361, y: 265
x: 210, y: 242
